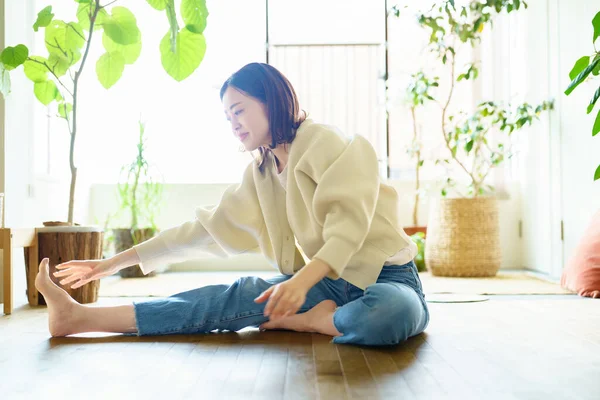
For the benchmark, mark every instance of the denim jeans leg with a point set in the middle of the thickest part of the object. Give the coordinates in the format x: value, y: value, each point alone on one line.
x: 214, y: 307
x: 221, y: 307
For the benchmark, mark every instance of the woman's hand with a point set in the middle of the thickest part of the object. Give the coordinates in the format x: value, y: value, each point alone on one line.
x: 82, y: 272
x: 285, y: 298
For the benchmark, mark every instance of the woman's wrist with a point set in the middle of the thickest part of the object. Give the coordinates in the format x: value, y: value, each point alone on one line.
x: 125, y: 259
x: 312, y: 273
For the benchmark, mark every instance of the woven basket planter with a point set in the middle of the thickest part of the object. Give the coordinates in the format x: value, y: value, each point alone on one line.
x: 463, y: 237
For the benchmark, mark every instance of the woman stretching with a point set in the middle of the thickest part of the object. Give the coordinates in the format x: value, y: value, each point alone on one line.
x: 309, y: 189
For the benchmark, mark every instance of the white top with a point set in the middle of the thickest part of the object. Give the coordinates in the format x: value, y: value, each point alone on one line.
x: 400, y: 258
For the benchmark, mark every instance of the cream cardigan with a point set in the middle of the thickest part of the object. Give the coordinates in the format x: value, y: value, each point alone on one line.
x: 335, y: 206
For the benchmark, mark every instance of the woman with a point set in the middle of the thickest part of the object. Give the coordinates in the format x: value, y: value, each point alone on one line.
x: 309, y: 184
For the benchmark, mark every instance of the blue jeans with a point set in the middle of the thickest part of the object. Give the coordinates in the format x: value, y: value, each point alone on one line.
x: 386, y: 313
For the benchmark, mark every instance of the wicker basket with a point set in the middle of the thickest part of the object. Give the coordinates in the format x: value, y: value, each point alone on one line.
x: 463, y: 237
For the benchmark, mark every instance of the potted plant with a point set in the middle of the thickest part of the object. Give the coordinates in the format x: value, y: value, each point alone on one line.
x: 140, y: 196
x: 56, y: 78
x: 463, y: 229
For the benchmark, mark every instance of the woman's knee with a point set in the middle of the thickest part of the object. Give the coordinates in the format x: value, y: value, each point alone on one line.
x: 394, y: 313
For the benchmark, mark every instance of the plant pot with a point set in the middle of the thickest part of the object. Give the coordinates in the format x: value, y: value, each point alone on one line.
x: 124, y: 240
x: 65, y: 243
x: 463, y: 237
x: 411, y: 230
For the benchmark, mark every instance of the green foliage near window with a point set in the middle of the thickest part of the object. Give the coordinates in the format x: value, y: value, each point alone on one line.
x: 56, y: 76
x: 584, y: 68
x: 476, y: 141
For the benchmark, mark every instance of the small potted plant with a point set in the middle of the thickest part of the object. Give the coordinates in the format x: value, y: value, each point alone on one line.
x: 140, y: 195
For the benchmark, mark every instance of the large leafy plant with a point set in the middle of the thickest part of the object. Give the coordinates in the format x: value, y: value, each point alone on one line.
x: 586, y: 65
x: 475, y: 141
x: 56, y: 76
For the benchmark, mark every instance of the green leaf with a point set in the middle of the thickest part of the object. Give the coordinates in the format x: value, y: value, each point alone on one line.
x: 44, y: 18
x: 46, y: 92
x: 4, y: 81
x: 109, y: 68
x: 597, y: 174
x: 593, y: 101
x: 130, y: 52
x: 444, y: 192
x: 582, y: 75
x: 65, y: 40
x: 194, y: 14
x: 460, y: 77
x: 35, y: 71
x: 12, y: 57
x: 158, y: 4
x: 82, y: 1
x: 579, y: 66
x: 189, y: 52
x: 59, y: 64
x: 596, y: 24
x: 83, y: 16
x: 596, y: 127
x: 596, y: 70
x: 65, y: 109
x: 454, y: 149
x: 122, y: 27
x: 469, y: 146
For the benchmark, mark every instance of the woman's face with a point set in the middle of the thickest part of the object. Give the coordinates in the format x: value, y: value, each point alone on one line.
x: 248, y: 118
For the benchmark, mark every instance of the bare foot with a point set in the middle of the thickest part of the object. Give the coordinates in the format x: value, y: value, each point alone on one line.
x: 62, y: 309
x: 318, y: 319
x: 592, y: 293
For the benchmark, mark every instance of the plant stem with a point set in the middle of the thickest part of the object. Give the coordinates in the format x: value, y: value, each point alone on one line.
x: 108, y: 4
x: 75, y: 104
x: 138, y: 171
x: 174, y: 26
x: 475, y: 168
x: 445, y: 109
x: 418, y: 166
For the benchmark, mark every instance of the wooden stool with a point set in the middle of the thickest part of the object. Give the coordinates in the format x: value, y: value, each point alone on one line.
x: 16, y: 238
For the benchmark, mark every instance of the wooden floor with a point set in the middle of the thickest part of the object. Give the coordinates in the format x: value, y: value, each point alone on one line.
x: 511, y: 347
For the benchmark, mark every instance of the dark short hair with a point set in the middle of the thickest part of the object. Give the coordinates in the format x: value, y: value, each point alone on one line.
x: 266, y: 84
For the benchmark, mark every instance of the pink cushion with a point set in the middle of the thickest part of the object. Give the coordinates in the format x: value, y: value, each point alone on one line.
x: 582, y: 273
